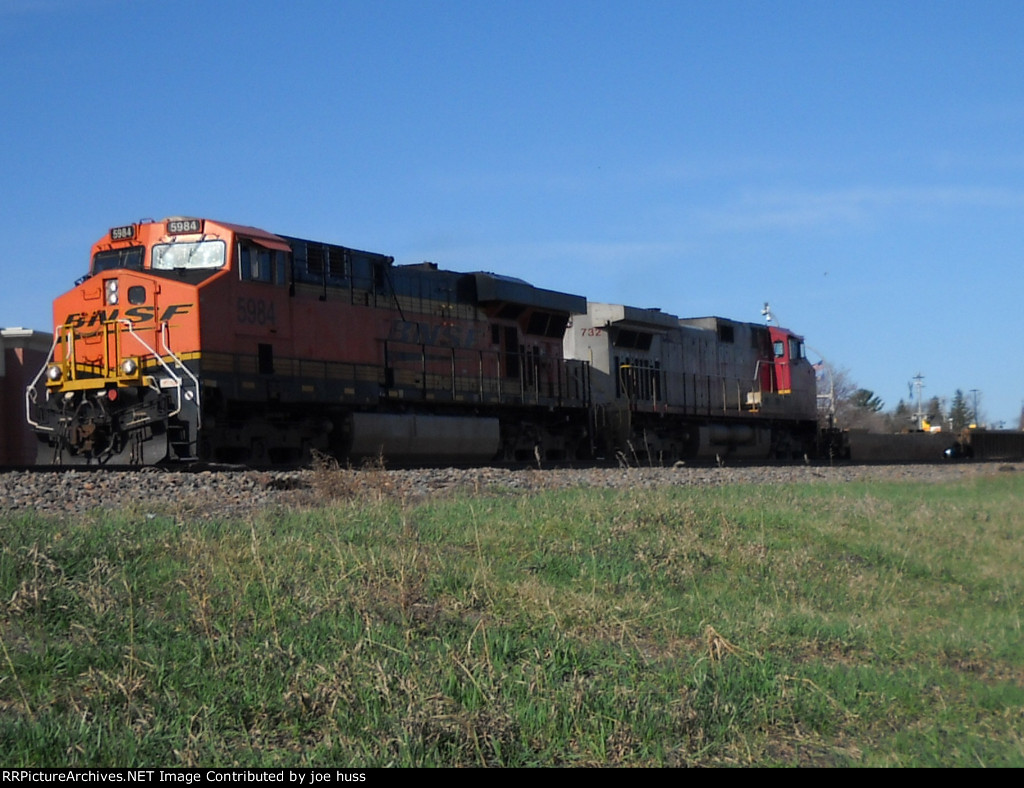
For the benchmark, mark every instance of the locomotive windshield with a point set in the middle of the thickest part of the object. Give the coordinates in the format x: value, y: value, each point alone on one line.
x: 188, y: 255
x: 130, y: 257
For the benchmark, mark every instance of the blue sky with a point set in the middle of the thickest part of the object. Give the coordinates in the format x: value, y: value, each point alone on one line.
x: 858, y: 164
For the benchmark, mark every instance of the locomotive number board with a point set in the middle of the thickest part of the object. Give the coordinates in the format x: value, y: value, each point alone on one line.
x: 126, y: 233
x: 184, y: 226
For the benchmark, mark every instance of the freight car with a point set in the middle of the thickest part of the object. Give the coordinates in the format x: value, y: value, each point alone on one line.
x: 197, y: 339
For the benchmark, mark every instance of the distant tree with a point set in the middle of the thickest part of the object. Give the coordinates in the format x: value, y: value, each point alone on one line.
x: 865, y: 399
x: 935, y: 412
x: 851, y: 406
x: 834, y: 390
x: 900, y: 418
x: 960, y: 414
x: 833, y: 387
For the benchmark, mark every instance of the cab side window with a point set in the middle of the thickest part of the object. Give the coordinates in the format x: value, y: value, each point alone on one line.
x: 257, y: 264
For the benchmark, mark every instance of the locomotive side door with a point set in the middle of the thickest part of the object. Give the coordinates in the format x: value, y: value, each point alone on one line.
x: 767, y: 378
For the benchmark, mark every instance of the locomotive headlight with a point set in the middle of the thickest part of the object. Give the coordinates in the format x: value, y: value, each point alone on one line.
x: 129, y: 367
x: 110, y: 289
x: 54, y: 373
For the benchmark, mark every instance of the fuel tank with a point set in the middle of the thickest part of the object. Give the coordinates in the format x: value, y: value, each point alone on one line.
x: 420, y: 438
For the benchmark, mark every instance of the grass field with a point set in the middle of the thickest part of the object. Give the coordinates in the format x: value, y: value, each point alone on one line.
x: 813, y: 625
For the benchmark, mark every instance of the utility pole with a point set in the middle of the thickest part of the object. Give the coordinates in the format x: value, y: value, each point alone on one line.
x: 974, y: 416
x: 919, y: 384
x: 829, y: 399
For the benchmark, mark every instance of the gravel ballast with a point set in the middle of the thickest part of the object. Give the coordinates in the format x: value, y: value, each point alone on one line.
x: 218, y: 494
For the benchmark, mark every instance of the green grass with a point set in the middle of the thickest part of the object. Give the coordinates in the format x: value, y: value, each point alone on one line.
x: 817, y: 625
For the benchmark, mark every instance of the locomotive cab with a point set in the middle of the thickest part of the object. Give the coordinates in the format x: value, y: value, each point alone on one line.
x: 786, y: 377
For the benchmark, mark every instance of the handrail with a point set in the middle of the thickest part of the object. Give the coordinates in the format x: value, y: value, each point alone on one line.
x: 30, y: 390
x: 131, y: 330
x: 167, y: 347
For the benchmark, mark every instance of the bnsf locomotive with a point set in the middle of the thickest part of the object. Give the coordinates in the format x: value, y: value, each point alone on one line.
x: 196, y: 339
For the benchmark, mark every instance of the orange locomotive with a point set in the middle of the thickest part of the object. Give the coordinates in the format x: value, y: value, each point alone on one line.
x: 196, y: 339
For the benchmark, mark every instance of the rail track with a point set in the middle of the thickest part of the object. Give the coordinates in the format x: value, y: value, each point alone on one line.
x: 212, y: 494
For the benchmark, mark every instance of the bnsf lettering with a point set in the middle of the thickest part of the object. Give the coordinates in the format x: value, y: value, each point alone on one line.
x: 140, y: 314
x: 137, y: 315
x: 426, y: 334
x: 175, y: 309
x: 100, y: 316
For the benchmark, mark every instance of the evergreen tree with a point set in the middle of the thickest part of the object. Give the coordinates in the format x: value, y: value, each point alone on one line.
x: 866, y: 399
x: 901, y: 418
x: 959, y: 413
